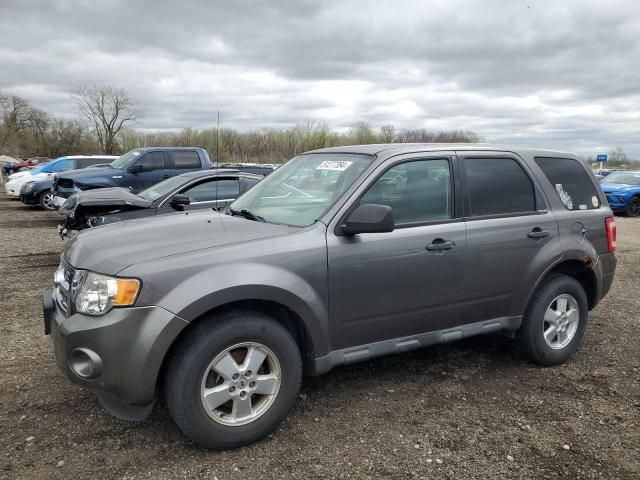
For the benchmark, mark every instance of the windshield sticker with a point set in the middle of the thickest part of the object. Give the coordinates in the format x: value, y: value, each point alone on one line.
x: 594, y: 201
x: 564, y: 196
x: 135, y: 153
x: 337, y: 165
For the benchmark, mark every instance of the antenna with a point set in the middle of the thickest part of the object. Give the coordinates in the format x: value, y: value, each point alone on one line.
x: 218, y: 140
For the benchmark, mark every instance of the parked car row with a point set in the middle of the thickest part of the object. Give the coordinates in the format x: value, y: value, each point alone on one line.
x: 340, y: 255
x: 95, y: 190
x: 188, y: 191
x: 23, y: 164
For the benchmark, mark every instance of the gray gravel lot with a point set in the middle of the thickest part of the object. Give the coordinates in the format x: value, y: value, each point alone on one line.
x: 472, y: 409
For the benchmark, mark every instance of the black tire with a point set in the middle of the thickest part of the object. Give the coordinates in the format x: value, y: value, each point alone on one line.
x: 633, y: 208
x: 190, y: 359
x: 530, y: 337
x: 44, y: 202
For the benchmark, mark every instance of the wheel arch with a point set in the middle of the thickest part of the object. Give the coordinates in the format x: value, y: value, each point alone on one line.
x: 579, y: 269
x: 280, y: 312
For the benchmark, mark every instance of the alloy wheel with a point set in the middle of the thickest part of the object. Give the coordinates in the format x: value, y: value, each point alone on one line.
x: 561, y: 321
x: 241, y: 384
x: 47, y: 201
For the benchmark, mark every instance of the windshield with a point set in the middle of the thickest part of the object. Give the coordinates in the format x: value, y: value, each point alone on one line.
x: 162, y: 188
x: 623, y: 178
x: 303, y: 189
x: 58, y: 165
x: 126, y: 158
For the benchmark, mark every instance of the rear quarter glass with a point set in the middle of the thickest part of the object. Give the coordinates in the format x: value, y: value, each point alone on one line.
x: 571, y: 182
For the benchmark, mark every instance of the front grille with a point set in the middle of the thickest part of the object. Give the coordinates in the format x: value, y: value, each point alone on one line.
x: 64, y: 183
x: 66, y: 287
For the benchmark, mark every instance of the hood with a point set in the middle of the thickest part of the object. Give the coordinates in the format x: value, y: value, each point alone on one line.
x: 79, y: 174
x: 116, y: 196
x: 17, y: 175
x: 30, y: 178
x: 617, y: 187
x: 111, y: 248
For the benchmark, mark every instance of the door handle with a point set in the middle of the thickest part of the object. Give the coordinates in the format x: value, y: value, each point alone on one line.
x: 537, y: 233
x: 440, y: 244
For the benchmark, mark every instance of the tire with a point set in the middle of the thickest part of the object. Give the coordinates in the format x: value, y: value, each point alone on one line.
x: 193, y: 357
x: 531, y: 335
x: 633, y: 208
x: 46, y: 201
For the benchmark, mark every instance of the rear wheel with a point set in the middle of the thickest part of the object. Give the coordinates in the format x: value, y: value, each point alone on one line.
x: 46, y: 201
x: 555, y: 321
x: 233, y: 379
x: 633, y: 208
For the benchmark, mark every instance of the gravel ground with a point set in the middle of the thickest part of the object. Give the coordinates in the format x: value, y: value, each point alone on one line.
x: 472, y: 409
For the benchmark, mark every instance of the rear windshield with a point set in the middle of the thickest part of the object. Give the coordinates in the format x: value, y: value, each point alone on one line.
x: 571, y: 182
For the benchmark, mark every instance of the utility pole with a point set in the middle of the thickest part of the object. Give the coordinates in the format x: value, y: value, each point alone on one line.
x: 218, y: 141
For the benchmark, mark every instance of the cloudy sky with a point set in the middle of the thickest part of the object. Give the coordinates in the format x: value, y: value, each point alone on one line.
x: 562, y: 74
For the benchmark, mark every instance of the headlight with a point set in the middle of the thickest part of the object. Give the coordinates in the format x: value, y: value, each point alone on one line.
x: 99, y: 293
x: 621, y: 198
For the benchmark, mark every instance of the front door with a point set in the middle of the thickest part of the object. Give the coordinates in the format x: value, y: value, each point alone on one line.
x: 153, y: 170
x: 391, y: 285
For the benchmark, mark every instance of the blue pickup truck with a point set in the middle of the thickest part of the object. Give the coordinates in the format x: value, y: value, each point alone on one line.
x: 137, y: 170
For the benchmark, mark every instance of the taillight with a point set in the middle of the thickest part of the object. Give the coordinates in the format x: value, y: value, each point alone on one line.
x: 610, y: 226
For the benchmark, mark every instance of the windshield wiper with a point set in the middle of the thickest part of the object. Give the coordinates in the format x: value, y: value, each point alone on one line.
x: 249, y: 215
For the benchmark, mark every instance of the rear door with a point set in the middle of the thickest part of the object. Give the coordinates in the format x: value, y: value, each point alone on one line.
x: 512, y: 235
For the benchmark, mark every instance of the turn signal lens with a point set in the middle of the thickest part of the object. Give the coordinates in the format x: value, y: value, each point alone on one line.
x: 126, y: 291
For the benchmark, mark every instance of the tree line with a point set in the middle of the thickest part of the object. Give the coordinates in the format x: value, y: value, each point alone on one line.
x: 108, y: 116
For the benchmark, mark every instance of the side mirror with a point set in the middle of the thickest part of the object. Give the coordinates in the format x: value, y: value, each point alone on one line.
x: 136, y: 169
x: 369, y: 218
x: 179, y: 201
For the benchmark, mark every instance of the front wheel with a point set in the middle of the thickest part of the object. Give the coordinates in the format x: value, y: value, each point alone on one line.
x: 46, y: 201
x: 633, y: 208
x: 555, y: 321
x: 233, y: 379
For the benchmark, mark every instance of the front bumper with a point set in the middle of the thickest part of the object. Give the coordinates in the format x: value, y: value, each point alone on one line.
x: 29, y: 198
x: 118, y: 355
x: 58, y: 201
x: 12, y: 189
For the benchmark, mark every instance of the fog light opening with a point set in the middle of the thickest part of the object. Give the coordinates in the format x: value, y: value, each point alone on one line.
x: 85, y: 363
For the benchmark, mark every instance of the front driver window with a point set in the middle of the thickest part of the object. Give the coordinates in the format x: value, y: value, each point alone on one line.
x: 151, y: 161
x: 210, y: 190
x: 418, y: 191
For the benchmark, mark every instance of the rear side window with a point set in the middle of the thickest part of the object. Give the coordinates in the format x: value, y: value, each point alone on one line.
x: 87, y: 162
x: 214, y: 190
x: 571, y: 182
x: 185, y: 159
x: 498, y: 186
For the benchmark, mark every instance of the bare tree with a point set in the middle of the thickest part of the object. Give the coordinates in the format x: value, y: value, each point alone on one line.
x: 14, y: 112
x: 108, y: 109
x: 617, y: 156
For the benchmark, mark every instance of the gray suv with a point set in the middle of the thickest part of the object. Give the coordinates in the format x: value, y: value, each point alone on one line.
x: 340, y: 255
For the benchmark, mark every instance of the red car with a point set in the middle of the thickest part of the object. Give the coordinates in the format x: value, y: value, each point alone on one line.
x: 26, y: 164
